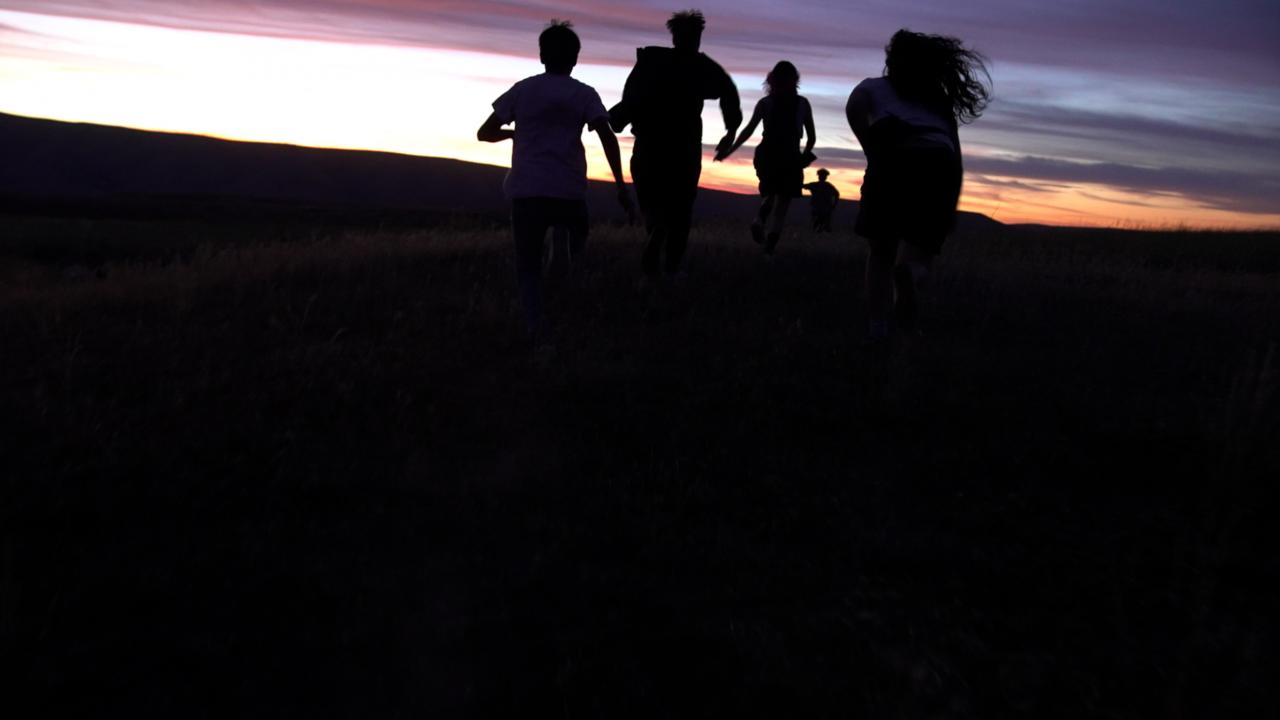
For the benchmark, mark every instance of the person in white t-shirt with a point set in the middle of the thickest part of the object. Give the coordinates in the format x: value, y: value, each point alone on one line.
x: 547, y: 183
x: 907, y: 123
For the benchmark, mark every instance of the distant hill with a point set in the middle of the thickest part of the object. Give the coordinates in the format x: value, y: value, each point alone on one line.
x: 66, y: 166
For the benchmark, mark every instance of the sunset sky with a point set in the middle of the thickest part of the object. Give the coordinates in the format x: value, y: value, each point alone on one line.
x: 1107, y: 112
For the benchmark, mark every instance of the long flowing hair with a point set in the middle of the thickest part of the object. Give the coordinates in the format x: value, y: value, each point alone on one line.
x: 783, y: 79
x: 938, y: 71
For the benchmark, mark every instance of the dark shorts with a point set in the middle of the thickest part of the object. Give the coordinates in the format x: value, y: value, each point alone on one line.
x: 780, y: 172
x: 666, y: 181
x: 910, y: 196
x: 532, y: 217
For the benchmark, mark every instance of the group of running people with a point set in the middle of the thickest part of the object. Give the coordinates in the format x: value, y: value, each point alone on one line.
x: 906, y: 121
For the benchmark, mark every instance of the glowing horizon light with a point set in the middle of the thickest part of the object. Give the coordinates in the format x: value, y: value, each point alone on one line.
x: 413, y: 100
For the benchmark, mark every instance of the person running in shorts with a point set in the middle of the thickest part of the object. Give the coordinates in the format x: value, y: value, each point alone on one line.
x: 547, y: 183
x: 779, y: 162
x: 907, y: 122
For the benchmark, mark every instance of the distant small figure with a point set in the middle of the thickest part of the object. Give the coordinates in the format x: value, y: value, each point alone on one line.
x: 779, y: 162
x: 823, y: 197
x: 662, y: 102
x: 547, y: 183
x: 907, y: 123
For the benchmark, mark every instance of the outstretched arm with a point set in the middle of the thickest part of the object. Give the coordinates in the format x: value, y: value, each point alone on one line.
x: 613, y: 154
x: 730, y: 110
x: 724, y: 151
x: 492, y: 130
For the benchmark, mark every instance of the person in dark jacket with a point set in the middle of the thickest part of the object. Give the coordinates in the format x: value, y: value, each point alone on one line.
x: 662, y: 102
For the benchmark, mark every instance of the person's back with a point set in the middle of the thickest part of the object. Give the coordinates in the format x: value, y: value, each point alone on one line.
x: 662, y: 102
x: 895, y: 121
x: 824, y: 196
x: 663, y: 99
x: 907, y: 123
x: 547, y: 183
x: 783, y: 120
x: 547, y: 158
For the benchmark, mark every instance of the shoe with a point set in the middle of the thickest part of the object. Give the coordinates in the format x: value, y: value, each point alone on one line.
x: 757, y: 233
x: 771, y: 243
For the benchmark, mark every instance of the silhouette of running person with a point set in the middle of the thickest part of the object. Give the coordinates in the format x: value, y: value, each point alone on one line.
x: 547, y: 183
x: 662, y: 102
x: 823, y: 197
x: 907, y: 122
x: 787, y: 116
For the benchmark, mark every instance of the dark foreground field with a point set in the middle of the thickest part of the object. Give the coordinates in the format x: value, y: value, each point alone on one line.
x: 281, y: 471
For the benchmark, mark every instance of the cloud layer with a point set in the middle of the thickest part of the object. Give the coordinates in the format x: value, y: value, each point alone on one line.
x: 1145, y: 97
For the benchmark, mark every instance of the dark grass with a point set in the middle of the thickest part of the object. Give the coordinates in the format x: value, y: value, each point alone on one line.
x: 266, y: 471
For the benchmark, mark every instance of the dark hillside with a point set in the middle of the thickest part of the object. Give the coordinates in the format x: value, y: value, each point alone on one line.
x: 70, y: 168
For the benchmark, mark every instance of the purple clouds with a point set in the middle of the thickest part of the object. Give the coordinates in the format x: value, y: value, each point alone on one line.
x: 1145, y: 96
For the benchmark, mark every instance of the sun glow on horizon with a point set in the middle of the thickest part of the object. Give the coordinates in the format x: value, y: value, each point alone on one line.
x: 413, y: 100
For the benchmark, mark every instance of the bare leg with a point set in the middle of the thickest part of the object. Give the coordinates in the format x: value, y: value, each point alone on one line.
x: 762, y: 217
x: 779, y: 219
x: 780, y: 213
x: 912, y: 266
x: 766, y: 207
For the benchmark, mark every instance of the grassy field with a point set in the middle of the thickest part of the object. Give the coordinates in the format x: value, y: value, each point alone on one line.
x: 278, y: 470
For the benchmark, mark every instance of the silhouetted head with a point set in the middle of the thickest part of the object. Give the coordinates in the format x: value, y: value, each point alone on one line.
x: 686, y: 30
x: 558, y: 47
x: 783, y: 79
x: 822, y: 174
x: 938, y: 71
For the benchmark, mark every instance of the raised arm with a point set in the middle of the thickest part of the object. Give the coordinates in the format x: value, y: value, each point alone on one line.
x: 724, y: 151
x: 492, y: 130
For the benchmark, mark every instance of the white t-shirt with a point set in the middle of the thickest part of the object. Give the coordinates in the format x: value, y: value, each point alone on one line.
x: 547, y: 159
x: 885, y: 102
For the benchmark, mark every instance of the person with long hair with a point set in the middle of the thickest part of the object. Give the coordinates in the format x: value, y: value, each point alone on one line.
x: 779, y: 163
x: 907, y: 122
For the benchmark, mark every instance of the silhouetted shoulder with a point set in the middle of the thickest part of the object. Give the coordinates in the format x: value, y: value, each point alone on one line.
x: 716, y: 81
x: 654, y: 55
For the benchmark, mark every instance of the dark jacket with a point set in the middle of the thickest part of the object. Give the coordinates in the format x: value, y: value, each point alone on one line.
x: 664, y: 94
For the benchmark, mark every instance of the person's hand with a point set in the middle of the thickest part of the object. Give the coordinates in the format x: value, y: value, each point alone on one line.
x: 624, y: 199
x: 725, y: 148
